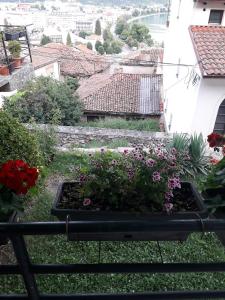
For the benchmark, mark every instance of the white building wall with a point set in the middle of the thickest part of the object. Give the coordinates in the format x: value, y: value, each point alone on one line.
x: 189, y: 108
x: 211, y: 95
x: 52, y: 70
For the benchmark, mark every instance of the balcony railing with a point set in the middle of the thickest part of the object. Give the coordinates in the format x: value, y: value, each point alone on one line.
x: 24, y: 267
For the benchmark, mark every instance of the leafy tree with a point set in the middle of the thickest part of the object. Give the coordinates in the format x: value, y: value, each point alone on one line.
x: 89, y: 45
x: 45, y: 40
x: 45, y: 100
x: 116, y: 47
x: 121, y: 25
x: 109, y: 50
x: 97, y: 45
x: 98, y: 29
x: 72, y: 83
x: 106, y: 45
x: 131, y: 42
x: 107, y: 35
x: 68, y: 40
x: 83, y: 34
x: 101, y: 50
x: 135, y: 13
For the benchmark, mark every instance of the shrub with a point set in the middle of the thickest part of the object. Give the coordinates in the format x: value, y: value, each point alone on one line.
x: 193, y: 148
x: 17, y: 142
x: 45, y: 100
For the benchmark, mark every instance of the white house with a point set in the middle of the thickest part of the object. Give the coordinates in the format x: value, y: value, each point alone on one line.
x: 45, y: 66
x: 194, y: 67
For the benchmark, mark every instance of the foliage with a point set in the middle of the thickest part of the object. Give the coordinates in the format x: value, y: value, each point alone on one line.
x: 45, y: 40
x: 45, y: 100
x: 14, y: 48
x: 214, y: 185
x: 97, y: 45
x: 133, y: 34
x: 135, y: 13
x: 47, y: 141
x: 101, y: 50
x: 89, y: 45
x: 72, y: 83
x: 17, y: 142
x: 119, y: 123
x: 136, y: 181
x: 16, y: 178
x: 83, y: 34
x: 98, y: 29
x: 107, y: 35
x: 116, y: 46
x: 68, y: 40
x: 193, y: 148
x: 115, y: 143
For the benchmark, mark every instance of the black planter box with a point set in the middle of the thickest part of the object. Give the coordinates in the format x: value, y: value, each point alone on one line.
x: 12, y: 218
x: 85, y: 215
x: 12, y: 36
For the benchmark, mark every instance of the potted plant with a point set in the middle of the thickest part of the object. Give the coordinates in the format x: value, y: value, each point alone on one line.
x: 136, y: 185
x: 14, y: 48
x: 214, y: 186
x: 14, y: 33
x: 16, y: 178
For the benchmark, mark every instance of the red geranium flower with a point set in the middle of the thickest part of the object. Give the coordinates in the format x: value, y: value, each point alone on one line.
x: 215, y: 140
x: 18, y: 176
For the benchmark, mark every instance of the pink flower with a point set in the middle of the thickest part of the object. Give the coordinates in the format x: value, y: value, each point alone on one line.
x: 86, y: 202
x: 168, y: 207
x: 150, y: 162
x: 156, y: 177
x: 174, y: 183
x: 174, y: 151
x: 125, y: 151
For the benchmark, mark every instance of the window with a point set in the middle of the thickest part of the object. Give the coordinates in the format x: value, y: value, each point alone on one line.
x: 216, y: 16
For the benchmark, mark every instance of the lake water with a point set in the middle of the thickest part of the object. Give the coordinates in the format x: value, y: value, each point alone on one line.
x: 156, y: 24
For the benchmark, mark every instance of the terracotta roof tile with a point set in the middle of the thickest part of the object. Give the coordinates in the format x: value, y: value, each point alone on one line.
x: 122, y: 93
x: 73, y: 62
x: 209, y: 45
x: 152, y: 55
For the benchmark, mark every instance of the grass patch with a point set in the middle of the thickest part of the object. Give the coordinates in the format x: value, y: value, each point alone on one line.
x: 55, y: 249
x: 111, y: 144
x: 119, y: 123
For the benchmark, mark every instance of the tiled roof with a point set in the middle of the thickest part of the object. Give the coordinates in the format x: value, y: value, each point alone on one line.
x: 122, y: 94
x: 40, y: 61
x: 151, y: 55
x: 73, y: 62
x: 209, y: 45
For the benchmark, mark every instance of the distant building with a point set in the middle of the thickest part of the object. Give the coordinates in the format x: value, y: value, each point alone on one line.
x: 194, y: 69
x: 121, y: 95
x: 84, y: 25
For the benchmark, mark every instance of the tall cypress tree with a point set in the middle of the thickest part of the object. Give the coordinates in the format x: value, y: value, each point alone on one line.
x: 68, y: 40
x: 98, y: 29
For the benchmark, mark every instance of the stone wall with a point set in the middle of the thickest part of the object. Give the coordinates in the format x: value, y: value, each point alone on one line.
x: 20, y: 76
x: 72, y: 137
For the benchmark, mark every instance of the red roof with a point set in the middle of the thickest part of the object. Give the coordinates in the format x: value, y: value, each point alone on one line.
x: 73, y: 62
x: 122, y: 94
x: 209, y: 45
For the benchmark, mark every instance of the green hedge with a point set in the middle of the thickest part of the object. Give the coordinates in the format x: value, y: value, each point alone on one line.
x: 17, y: 142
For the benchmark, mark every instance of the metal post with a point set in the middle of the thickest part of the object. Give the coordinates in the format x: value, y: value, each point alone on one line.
x: 23, y: 260
x: 28, y: 43
x: 6, y: 55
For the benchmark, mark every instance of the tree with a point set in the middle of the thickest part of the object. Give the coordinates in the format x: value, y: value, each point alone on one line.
x: 131, y: 42
x: 45, y: 40
x: 121, y: 25
x: 109, y: 50
x: 97, y: 45
x: 72, y: 83
x: 135, y: 13
x: 107, y: 35
x: 89, y: 45
x: 83, y: 34
x: 45, y: 100
x: 101, y: 50
x: 68, y: 40
x: 116, y: 47
x: 106, y: 45
x: 98, y: 29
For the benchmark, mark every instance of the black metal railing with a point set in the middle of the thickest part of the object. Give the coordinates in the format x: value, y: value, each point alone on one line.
x: 24, y: 267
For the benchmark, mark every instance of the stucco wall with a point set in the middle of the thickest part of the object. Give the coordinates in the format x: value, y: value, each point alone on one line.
x: 52, y: 70
x: 20, y: 76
